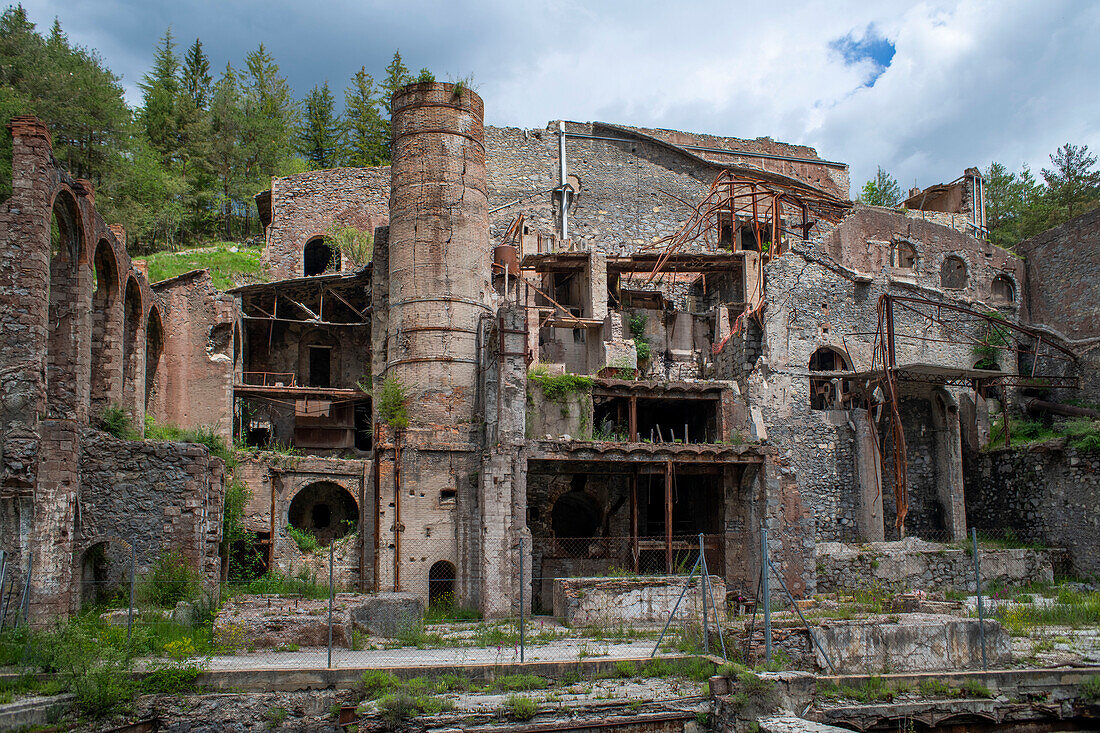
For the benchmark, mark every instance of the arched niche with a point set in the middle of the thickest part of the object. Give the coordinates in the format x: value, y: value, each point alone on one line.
x: 1002, y: 290
x: 154, y: 351
x: 319, y: 257
x: 324, y: 509
x: 132, y: 310
x: 828, y: 393
x: 441, y: 585
x: 953, y: 274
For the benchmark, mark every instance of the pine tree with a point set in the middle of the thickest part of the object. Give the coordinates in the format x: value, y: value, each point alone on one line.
x: 227, y: 154
x: 367, y: 131
x: 159, y: 90
x: 270, y: 117
x: 320, y: 136
x: 196, y: 76
x: 397, y: 76
x: 195, y: 149
x: 1072, y: 184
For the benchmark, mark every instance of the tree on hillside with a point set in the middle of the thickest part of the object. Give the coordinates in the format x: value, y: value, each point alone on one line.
x: 195, y: 146
x: 320, y: 136
x: 882, y: 190
x: 270, y: 117
x: 397, y: 76
x: 160, y: 90
x: 227, y: 155
x: 1072, y: 184
x: 367, y: 131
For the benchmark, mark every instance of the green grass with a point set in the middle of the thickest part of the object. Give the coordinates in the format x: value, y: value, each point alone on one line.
x: 874, y: 689
x: 277, y: 584
x: 520, y: 707
x: 306, y: 540
x: 1071, y: 608
x: 227, y: 268
x: 515, y: 682
x: 1083, y: 434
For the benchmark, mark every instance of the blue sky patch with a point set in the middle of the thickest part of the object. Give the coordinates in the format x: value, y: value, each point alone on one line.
x: 870, y: 46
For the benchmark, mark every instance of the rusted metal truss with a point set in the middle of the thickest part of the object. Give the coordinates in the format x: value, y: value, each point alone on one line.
x: 1036, y: 360
x: 760, y: 209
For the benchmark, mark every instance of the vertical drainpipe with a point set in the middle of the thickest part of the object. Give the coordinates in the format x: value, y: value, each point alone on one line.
x: 561, y: 181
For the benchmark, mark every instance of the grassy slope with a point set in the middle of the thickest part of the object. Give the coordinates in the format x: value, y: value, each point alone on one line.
x: 228, y: 268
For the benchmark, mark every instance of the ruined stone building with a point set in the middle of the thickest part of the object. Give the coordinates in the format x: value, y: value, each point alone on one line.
x: 610, y: 341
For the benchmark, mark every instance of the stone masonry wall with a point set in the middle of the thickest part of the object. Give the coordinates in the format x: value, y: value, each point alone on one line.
x: 1045, y: 494
x: 304, y: 206
x: 161, y: 496
x: 1063, y: 270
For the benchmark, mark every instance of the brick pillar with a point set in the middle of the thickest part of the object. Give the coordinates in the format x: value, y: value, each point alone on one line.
x: 24, y: 271
x: 53, y: 524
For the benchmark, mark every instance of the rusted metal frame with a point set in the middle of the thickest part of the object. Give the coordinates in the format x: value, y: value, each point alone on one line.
x: 397, y: 512
x: 901, y: 476
x: 1032, y: 333
x: 668, y: 517
x: 553, y: 302
x: 632, y: 419
x: 634, y: 518
x: 340, y: 298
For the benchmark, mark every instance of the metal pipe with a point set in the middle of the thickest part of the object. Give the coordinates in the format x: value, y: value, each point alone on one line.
x: 704, y: 595
x: 1035, y: 406
x: 766, y: 592
x: 564, y: 173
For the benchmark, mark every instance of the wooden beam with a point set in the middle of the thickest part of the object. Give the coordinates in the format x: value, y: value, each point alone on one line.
x: 668, y: 517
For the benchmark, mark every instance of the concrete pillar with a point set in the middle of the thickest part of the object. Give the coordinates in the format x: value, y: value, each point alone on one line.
x: 949, y: 472
x: 52, y: 533
x: 868, y: 458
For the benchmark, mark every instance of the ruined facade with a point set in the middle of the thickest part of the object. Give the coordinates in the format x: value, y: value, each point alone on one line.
x: 576, y: 350
x: 83, y: 333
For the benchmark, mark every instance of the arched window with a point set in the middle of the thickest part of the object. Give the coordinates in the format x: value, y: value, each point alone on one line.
x: 324, y: 509
x: 1003, y: 290
x: 829, y: 392
x: 575, y: 514
x: 953, y: 273
x: 904, y: 256
x: 106, y: 328
x: 66, y: 314
x: 320, y: 257
x: 441, y: 585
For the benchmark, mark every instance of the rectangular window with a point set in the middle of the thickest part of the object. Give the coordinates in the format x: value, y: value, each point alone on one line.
x: 320, y: 359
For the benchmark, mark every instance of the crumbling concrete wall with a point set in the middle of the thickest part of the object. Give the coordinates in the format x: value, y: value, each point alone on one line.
x: 194, y: 382
x: 606, y: 602
x: 865, y: 239
x: 1045, y: 494
x: 913, y: 564
x: 306, y: 205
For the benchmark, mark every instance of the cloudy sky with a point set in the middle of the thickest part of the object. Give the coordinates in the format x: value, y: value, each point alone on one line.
x: 923, y: 89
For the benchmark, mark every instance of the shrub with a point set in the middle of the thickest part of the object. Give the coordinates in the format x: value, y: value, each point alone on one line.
x: 305, y: 539
x: 1090, y: 689
x: 511, y: 682
x: 626, y: 669
x: 170, y: 580
x: 374, y: 683
x: 391, y: 404
x: 520, y: 707
x: 116, y: 421
x: 402, y: 705
x: 559, y: 387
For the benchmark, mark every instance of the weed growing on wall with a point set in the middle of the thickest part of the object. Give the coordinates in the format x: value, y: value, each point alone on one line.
x: 116, y: 421
x: 559, y: 387
x: 305, y: 539
x: 391, y: 404
x: 641, y: 341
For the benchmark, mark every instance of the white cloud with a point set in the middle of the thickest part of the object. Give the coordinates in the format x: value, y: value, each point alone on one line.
x: 970, y: 81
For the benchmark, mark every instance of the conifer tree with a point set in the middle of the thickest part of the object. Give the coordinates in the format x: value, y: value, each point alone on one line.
x: 367, y: 131
x: 159, y: 90
x: 320, y: 135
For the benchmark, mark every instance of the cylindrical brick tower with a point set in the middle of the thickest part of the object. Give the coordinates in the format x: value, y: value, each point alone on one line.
x: 439, y: 267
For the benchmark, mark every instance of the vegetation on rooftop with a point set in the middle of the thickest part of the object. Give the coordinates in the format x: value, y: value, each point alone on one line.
x: 230, y: 264
x: 558, y: 387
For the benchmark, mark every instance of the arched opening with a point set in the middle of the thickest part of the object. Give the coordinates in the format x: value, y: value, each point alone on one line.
x: 154, y: 348
x: 106, y: 327
x: 904, y: 256
x: 320, y: 257
x: 325, y: 510
x: 65, y: 313
x: 1002, y: 290
x: 829, y: 392
x: 575, y: 514
x: 131, y: 327
x: 103, y: 570
x: 441, y: 585
x: 953, y: 273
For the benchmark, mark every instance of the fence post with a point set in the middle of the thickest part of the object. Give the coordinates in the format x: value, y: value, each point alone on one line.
x: 714, y: 608
x: 522, y: 600
x: 331, y: 595
x: 703, y: 595
x: 766, y: 592
x: 130, y: 609
x: 978, y: 588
